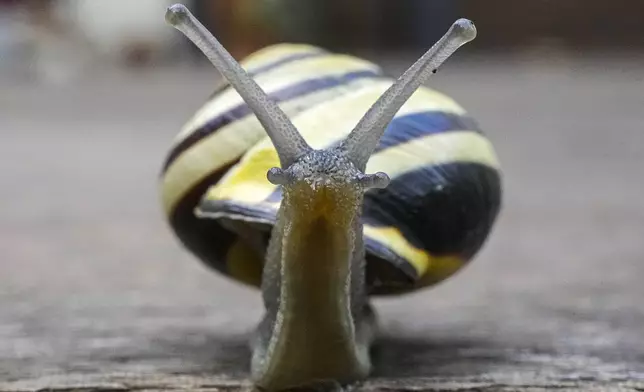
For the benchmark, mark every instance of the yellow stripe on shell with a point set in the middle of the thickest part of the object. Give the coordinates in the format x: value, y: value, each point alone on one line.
x: 436, y: 149
x: 289, y: 74
x: 397, y: 243
x: 430, y: 268
x: 321, y: 126
x: 439, y: 268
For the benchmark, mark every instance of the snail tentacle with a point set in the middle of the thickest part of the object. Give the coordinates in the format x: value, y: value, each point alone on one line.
x: 364, y: 138
x: 288, y: 141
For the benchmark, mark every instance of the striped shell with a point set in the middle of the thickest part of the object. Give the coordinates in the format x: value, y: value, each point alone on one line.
x: 435, y: 215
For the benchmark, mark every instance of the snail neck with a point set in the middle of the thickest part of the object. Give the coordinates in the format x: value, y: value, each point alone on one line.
x: 314, y: 295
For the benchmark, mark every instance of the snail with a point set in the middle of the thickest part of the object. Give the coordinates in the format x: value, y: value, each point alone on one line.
x: 319, y: 180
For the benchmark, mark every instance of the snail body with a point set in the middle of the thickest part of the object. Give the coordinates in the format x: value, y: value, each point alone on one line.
x: 296, y: 215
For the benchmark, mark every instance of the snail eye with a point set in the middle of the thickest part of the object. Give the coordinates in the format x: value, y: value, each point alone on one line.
x: 277, y: 176
x: 377, y: 180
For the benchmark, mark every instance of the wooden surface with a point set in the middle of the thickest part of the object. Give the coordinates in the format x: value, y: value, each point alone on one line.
x: 96, y: 294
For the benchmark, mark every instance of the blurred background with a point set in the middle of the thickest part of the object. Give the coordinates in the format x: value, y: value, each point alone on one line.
x: 52, y: 39
x: 93, y: 91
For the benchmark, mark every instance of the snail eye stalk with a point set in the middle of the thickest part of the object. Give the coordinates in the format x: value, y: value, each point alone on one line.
x: 363, y: 140
x: 287, y: 140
